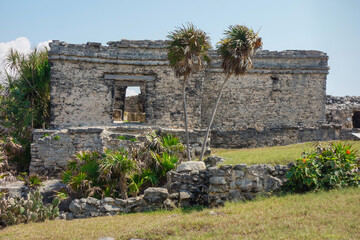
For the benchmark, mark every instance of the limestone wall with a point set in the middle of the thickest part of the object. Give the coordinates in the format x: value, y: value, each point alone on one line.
x: 192, y: 184
x: 52, y: 149
x: 83, y: 79
x: 280, y: 101
x: 285, y: 89
x: 341, y: 110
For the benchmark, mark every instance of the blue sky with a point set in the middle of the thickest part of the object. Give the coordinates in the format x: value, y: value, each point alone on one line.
x: 332, y: 26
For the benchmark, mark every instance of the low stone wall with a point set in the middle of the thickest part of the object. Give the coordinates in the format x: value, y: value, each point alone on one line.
x: 251, y: 138
x: 215, y: 185
x: 51, y: 149
x: 153, y: 199
x: 192, y: 184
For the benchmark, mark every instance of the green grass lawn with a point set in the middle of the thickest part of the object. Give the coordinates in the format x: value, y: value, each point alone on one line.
x: 270, y: 155
x: 321, y: 215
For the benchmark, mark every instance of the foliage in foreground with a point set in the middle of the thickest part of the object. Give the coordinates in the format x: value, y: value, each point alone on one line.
x: 31, y: 209
x: 121, y: 172
x: 321, y: 215
x: 187, y: 53
x: 333, y: 166
x: 25, y: 101
x: 236, y: 50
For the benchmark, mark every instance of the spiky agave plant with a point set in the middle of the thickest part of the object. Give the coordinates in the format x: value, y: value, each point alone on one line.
x: 187, y: 53
x: 236, y: 50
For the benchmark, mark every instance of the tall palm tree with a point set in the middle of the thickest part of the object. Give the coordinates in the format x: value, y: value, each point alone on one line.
x: 187, y: 53
x: 236, y: 49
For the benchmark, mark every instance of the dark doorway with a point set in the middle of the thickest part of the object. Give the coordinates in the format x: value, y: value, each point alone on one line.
x: 356, y: 119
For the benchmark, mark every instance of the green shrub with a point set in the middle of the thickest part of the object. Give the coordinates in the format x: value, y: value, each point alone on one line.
x: 121, y: 137
x: 132, y: 139
x: 81, y: 174
x: 115, y: 168
x: 56, y: 137
x: 333, y: 166
x: 29, y: 209
x: 25, y: 101
x: 121, y: 172
x: 32, y: 181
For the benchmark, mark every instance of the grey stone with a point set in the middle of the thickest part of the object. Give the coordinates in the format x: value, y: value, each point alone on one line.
x: 69, y: 216
x: 168, y: 204
x: 75, y: 206
x: 239, y: 173
x: 236, y: 196
x: 217, y: 180
x: 272, y: 184
x: 14, y: 189
x: 190, y: 166
x: 213, y: 161
x: 120, y: 202
x: 108, y: 200
x: 109, y: 208
x: 240, y: 166
x: 182, y: 195
x: 155, y: 195
x: 90, y: 208
x: 93, y: 201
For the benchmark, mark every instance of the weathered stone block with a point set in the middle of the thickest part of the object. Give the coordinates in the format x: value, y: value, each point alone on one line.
x: 217, y: 180
x: 190, y: 166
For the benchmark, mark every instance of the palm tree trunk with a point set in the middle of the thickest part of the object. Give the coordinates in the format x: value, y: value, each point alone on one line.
x: 123, y: 186
x: 212, y: 117
x: 186, y: 120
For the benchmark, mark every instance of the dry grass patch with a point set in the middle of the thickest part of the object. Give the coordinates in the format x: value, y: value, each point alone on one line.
x: 333, y: 215
x: 270, y: 155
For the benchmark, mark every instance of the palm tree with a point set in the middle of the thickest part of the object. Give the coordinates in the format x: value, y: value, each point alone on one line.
x: 187, y: 53
x: 236, y: 49
x: 116, y: 167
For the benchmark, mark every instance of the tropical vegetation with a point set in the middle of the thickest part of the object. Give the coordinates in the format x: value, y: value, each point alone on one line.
x: 333, y: 166
x: 187, y: 53
x: 235, y: 49
x: 323, y: 215
x: 25, y: 102
x: 25, y: 210
x: 117, y: 173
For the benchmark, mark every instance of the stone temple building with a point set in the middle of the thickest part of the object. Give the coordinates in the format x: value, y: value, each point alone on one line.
x: 282, y: 100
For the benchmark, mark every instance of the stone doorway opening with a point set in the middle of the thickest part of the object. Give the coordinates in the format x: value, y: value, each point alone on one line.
x: 129, y: 102
x: 356, y: 119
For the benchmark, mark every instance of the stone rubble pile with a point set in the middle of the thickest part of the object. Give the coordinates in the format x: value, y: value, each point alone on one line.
x: 191, y: 184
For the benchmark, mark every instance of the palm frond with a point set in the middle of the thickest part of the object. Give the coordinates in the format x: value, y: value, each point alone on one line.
x: 187, y: 49
x: 236, y: 49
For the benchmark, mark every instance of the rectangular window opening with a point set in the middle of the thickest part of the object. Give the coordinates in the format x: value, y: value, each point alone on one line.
x: 129, y: 102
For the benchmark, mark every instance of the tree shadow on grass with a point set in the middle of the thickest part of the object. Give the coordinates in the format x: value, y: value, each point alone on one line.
x: 187, y: 210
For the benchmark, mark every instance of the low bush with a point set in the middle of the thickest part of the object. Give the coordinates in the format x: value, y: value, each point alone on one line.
x: 82, y: 174
x: 117, y: 173
x: 32, y: 181
x: 333, y: 166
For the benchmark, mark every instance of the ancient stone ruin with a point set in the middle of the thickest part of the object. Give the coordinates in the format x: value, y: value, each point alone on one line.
x: 191, y: 184
x: 281, y: 101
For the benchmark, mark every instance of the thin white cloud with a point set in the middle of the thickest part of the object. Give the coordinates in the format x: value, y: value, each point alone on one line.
x: 42, y: 45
